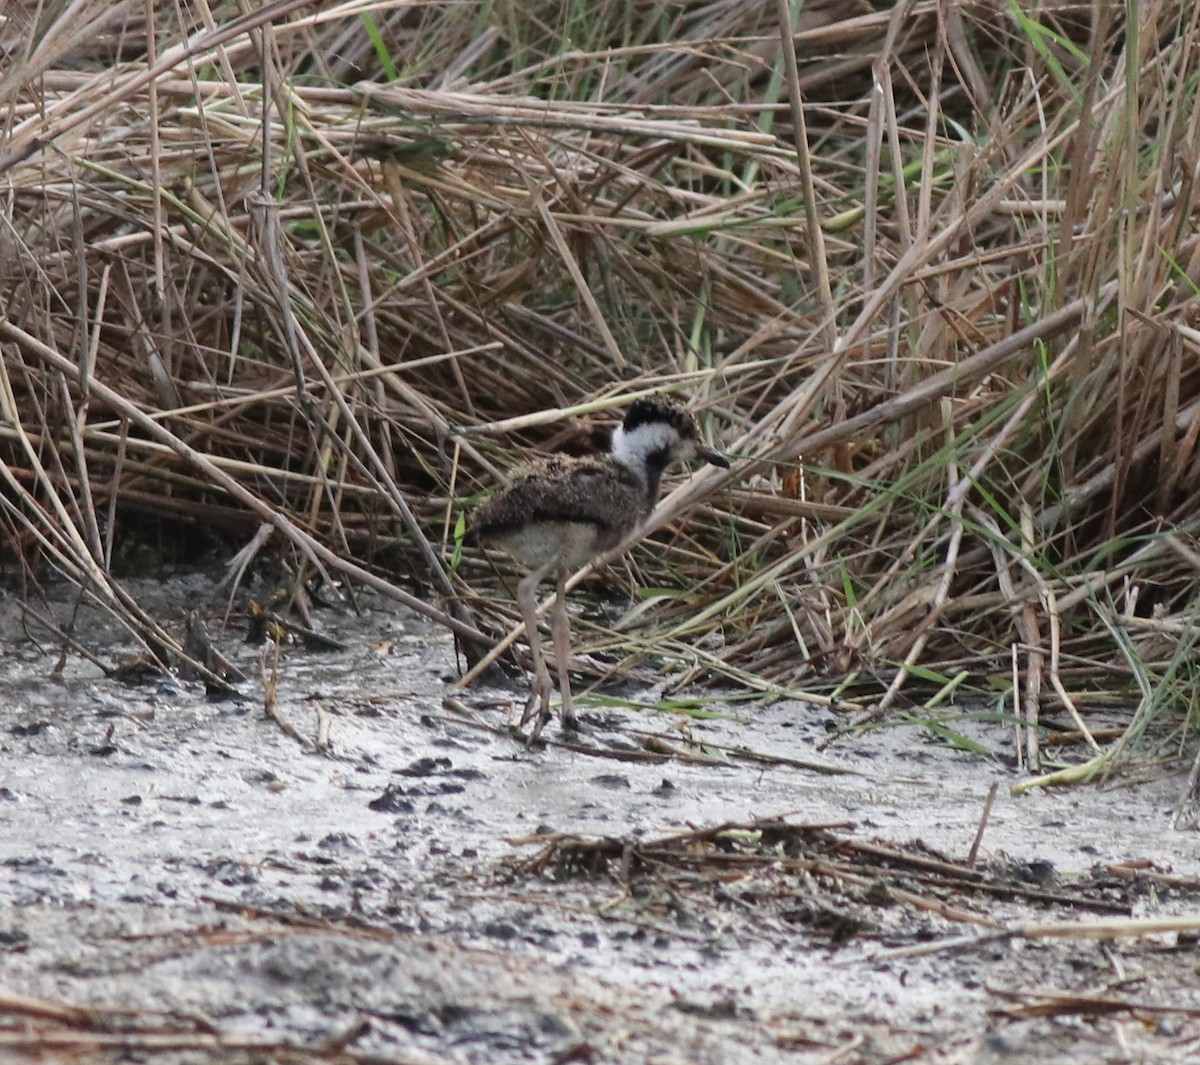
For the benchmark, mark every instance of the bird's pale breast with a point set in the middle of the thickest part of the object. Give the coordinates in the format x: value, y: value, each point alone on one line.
x: 564, y: 509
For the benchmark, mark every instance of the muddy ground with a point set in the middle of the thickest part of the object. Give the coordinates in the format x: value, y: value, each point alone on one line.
x: 429, y: 890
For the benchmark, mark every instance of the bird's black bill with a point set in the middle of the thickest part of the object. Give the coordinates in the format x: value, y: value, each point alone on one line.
x: 714, y: 458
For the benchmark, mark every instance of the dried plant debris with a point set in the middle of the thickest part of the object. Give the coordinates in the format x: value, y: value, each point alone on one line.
x: 839, y: 887
x: 98, y: 1033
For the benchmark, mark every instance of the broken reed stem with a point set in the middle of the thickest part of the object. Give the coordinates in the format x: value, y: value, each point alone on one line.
x: 812, y: 214
x: 949, y: 570
x: 973, y: 853
x: 1106, y: 929
x: 1036, y: 661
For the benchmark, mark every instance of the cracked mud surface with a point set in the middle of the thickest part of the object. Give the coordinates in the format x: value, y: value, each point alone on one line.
x: 185, y: 860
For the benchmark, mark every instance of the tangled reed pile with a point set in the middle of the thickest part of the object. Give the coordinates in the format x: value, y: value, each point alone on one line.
x: 326, y: 270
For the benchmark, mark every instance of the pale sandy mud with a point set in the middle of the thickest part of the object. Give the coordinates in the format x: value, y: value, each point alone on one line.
x: 185, y: 860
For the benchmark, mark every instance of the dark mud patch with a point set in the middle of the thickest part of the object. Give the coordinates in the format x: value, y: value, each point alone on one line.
x: 429, y: 890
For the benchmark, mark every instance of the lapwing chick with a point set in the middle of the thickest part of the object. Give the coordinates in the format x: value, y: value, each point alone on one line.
x: 558, y: 514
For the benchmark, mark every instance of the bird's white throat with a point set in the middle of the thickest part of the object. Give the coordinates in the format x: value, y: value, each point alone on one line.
x: 633, y: 449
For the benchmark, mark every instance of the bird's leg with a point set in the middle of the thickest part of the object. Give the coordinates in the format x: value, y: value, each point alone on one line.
x: 560, y: 629
x: 541, y: 685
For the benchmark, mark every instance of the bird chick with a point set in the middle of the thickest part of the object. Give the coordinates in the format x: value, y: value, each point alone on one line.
x: 558, y: 514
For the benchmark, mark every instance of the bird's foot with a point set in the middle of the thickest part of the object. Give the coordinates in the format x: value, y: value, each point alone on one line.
x: 539, y: 697
x: 543, y: 716
x: 570, y: 722
x: 567, y: 719
x: 538, y: 703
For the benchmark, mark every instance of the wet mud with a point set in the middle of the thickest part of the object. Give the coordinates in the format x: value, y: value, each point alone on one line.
x: 427, y: 889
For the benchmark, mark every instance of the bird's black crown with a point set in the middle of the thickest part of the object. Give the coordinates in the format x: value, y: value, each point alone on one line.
x: 662, y: 411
